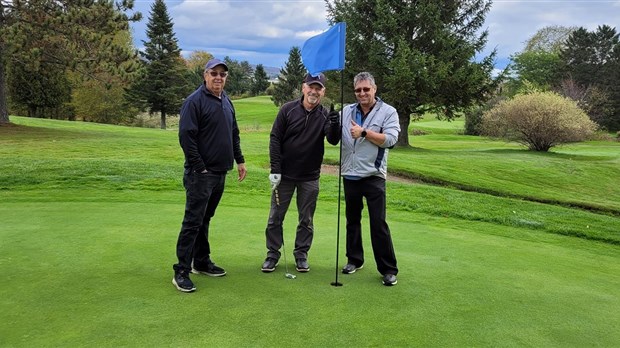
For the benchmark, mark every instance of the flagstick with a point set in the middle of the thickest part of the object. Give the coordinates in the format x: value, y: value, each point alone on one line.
x: 336, y: 283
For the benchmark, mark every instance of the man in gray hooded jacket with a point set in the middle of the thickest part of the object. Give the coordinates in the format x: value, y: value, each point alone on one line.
x: 369, y: 129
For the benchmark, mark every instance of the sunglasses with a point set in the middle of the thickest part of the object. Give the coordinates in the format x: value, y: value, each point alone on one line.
x: 365, y: 89
x: 215, y: 73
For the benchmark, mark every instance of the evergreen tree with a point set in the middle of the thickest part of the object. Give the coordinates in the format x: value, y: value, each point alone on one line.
x: 420, y: 52
x: 239, y: 77
x: 291, y: 76
x: 260, y: 82
x: 45, y: 89
x: 592, y: 59
x: 164, y: 82
x: 78, y: 34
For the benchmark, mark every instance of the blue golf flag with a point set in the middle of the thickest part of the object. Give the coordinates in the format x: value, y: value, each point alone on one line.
x: 325, y: 51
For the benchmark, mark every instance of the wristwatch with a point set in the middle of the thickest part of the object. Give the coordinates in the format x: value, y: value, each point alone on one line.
x: 364, y: 133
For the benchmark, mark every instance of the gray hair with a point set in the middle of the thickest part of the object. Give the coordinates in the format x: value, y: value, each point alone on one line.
x: 364, y: 76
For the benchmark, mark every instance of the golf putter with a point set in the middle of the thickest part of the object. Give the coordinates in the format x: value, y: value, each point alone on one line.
x: 287, y: 274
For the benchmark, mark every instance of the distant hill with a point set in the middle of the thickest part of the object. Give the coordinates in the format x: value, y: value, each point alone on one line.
x: 272, y: 72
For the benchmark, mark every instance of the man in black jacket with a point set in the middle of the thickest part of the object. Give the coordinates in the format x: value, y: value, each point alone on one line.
x: 296, y: 150
x: 209, y: 137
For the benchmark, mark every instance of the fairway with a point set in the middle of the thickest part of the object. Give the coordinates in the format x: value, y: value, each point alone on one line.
x: 496, y: 246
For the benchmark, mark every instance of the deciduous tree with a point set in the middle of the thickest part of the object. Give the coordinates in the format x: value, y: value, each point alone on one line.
x: 549, y: 39
x: 196, y: 64
x: 542, y: 68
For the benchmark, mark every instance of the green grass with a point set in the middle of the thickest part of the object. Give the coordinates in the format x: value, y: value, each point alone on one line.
x: 90, y: 215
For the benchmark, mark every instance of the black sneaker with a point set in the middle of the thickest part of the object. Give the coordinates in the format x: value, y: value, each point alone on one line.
x: 302, y: 265
x: 269, y: 265
x: 389, y: 280
x: 211, y: 270
x: 182, y: 282
x: 351, y: 268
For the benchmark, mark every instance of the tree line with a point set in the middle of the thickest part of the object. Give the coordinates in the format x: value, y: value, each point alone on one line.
x: 76, y: 57
x: 574, y: 62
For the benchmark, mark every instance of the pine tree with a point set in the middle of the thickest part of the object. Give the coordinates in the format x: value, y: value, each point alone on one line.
x: 291, y: 76
x: 78, y: 34
x: 260, y: 82
x: 420, y: 52
x: 164, y: 83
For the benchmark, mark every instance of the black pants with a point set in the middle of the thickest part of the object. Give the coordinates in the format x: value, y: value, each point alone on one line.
x: 373, y: 189
x: 203, y: 193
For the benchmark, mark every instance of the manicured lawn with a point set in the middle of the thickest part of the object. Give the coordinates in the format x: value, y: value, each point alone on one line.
x: 90, y: 214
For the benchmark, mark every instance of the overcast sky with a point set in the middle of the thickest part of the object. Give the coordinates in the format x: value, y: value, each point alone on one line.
x: 263, y: 31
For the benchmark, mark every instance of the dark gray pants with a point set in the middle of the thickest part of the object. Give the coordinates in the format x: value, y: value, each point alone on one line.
x: 307, y: 194
x: 203, y: 193
x: 373, y: 189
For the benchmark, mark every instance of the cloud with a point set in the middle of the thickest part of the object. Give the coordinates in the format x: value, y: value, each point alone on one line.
x: 263, y: 31
x: 512, y: 23
x: 240, y: 28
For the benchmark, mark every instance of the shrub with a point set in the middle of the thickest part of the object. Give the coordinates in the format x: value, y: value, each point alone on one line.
x: 539, y: 120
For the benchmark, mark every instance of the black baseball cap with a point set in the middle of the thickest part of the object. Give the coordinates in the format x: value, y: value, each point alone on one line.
x: 318, y: 79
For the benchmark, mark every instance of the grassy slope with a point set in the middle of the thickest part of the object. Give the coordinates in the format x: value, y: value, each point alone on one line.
x: 89, y: 221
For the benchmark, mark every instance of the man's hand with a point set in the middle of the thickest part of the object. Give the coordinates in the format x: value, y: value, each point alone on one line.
x: 242, y: 171
x: 275, y: 180
x: 356, y: 130
x: 334, y: 116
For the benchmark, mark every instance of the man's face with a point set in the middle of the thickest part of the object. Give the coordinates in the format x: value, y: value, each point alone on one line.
x: 312, y: 93
x: 216, y: 83
x: 365, y: 93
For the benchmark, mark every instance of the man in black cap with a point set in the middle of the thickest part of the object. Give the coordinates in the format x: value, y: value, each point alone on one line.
x: 296, y: 150
x: 209, y: 137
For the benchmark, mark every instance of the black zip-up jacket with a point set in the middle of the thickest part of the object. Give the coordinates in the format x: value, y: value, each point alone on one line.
x: 208, y: 132
x: 297, y: 141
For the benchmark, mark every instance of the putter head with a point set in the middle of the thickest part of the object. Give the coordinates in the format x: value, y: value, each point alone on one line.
x: 290, y: 276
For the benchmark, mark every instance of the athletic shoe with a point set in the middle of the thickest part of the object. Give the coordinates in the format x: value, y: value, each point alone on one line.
x: 351, y: 268
x: 302, y: 265
x: 212, y: 270
x: 182, y: 282
x: 389, y: 280
x: 269, y: 265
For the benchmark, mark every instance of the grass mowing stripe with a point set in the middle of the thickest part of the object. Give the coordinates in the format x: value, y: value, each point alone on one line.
x: 461, y: 283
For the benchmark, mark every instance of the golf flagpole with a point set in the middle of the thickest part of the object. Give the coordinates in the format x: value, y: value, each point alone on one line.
x: 335, y: 282
x: 320, y: 53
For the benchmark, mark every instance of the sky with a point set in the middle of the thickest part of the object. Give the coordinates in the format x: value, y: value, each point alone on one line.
x: 263, y: 31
